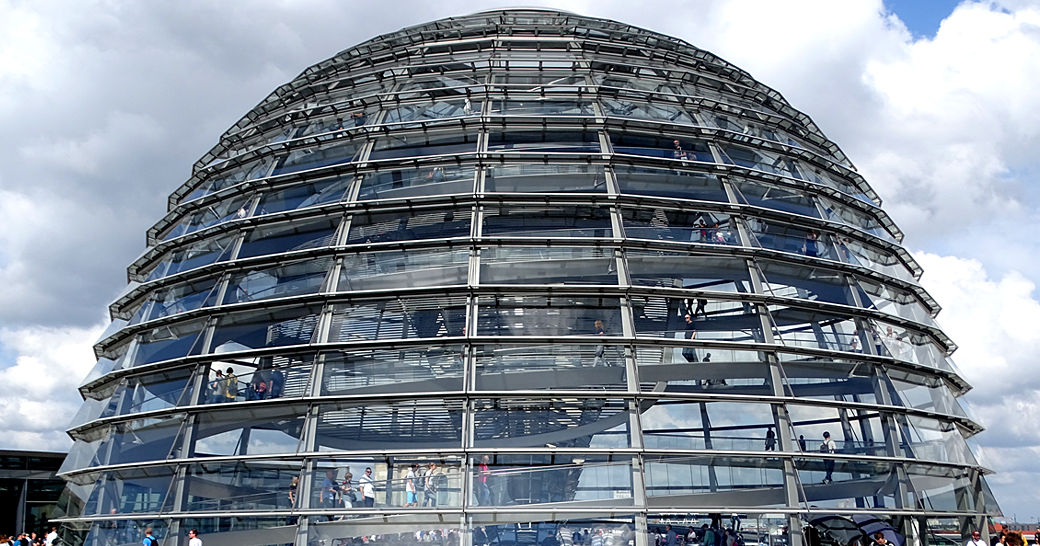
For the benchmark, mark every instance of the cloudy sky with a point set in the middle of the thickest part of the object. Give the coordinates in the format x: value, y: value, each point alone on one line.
x: 105, y: 105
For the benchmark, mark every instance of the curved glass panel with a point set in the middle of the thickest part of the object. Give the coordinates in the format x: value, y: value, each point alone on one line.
x: 408, y: 183
x: 670, y: 183
x: 292, y: 279
x: 547, y: 265
x: 533, y: 178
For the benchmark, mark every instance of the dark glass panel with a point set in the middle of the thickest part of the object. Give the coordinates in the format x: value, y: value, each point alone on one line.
x: 555, y: 221
x: 776, y: 197
x: 292, y: 279
x: 196, y: 254
x: 531, y: 178
x: 661, y: 146
x: 130, y: 491
x: 240, y: 485
x: 252, y: 429
x: 808, y: 283
x: 670, y: 183
x: 321, y: 155
x: 384, y: 227
x: 548, y: 265
x: 403, y: 269
x: 309, y: 194
x: 511, y: 141
x: 548, y: 316
x: 660, y: 224
x: 267, y: 328
x: 288, y: 237
x: 515, y: 423
x: 407, y: 424
x: 167, y: 342
x: 427, y: 369
x: 761, y: 160
x: 424, y: 182
x: 155, y: 391
x: 179, y: 298
x: 422, y: 144
x: 539, y: 367
x: 403, y: 318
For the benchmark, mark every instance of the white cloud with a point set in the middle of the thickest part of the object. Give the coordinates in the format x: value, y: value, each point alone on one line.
x: 39, y: 398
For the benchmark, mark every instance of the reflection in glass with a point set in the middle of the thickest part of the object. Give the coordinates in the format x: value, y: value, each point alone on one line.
x: 167, y: 342
x: 532, y: 178
x: 659, y: 111
x: 129, y: 491
x: 516, y: 423
x: 252, y: 430
x: 406, y: 424
x: 661, y: 146
x: 729, y: 371
x: 405, y: 183
x: 176, y: 299
x: 213, y: 184
x: 310, y: 194
x: 422, y: 144
x: 536, y: 106
x: 513, y: 141
x: 411, y: 225
x: 538, y: 367
x: 430, y: 369
x: 717, y: 425
x: 548, y: 221
x: 776, y: 197
x: 507, y: 480
x: 403, y: 318
x: 761, y: 160
x: 239, y: 485
x: 689, y: 270
x: 274, y: 328
x: 306, y: 158
x: 291, y: 279
x: 151, y: 392
x: 506, y: 315
x: 289, y: 237
x: 140, y: 440
x: 791, y: 280
x: 196, y: 254
x: 670, y: 183
x: 350, y: 531
x: 403, y: 269
x: 659, y: 224
x: 210, y: 215
x: 709, y: 319
x: 702, y: 481
x: 547, y: 265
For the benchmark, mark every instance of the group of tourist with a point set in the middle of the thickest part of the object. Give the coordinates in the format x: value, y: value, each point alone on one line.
x: 31, y: 539
x: 421, y: 486
x: 264, y: 384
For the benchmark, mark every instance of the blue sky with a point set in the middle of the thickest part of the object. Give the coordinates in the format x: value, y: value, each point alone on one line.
x: 921, y: 17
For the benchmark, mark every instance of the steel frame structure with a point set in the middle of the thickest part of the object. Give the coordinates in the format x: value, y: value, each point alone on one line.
x: 474, y: 243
